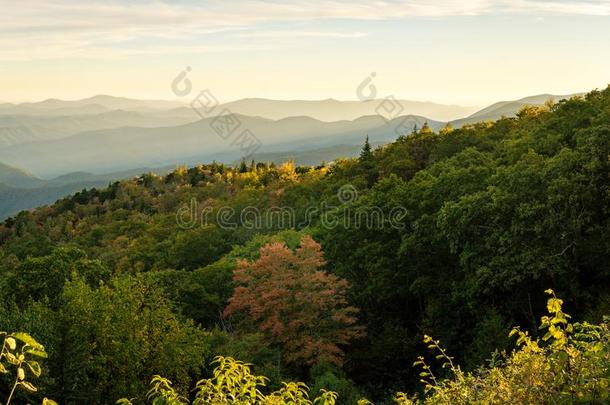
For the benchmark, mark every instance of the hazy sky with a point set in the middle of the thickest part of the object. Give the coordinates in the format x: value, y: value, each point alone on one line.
x: 468, y: 52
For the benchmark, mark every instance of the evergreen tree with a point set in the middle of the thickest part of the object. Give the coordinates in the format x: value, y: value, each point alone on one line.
x: 243, y: 168
x: 366, y: 154
x: 367, y: 163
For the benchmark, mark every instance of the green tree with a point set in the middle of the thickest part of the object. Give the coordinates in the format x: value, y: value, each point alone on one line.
x: 116, y: 336
x: 367, y: 163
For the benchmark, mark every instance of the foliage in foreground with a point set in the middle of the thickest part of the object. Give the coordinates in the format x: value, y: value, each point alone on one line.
x: 569, y: 364
x: 234, y: 383
x: 18, y: 352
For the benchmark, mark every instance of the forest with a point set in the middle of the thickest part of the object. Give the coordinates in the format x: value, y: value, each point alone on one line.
x: 461, y: 295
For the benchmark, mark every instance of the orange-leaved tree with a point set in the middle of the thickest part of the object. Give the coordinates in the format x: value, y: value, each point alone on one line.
x: 296, y: 304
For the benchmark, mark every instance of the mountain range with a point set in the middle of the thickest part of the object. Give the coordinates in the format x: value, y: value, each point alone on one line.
x: 95, y: 104
x: 122, y: 148
x: 18, y: 129
x: 54, y: 147
x: 334, y: 110
x: 509, y: 108
x: 21, y: 190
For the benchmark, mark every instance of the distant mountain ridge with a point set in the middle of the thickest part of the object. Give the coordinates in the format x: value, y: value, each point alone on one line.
x: 106, y: 101
x: 55, y: 119
x: 510, y: 108
x: 50, y: 146
x: 124, y: 148
x: 15, y: 177
x: 17, y: 129
x: 87, y: 143
x: 330, y: 110
x: 20, y: 191
x: 324, y: 110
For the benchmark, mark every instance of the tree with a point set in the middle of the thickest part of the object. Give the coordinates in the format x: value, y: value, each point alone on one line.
x: 367, y: 163
x: 199, y: 247
x: 298, y: 306
x: 425, y: 129
x: 243, y: 168
x: 117, y: 336
x: 366, y: 154
x: 38, y: 277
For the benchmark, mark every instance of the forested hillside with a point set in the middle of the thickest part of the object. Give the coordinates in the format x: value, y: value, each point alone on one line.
x: 330, y: 274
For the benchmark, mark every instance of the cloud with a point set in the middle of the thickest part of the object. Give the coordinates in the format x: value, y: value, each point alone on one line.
x: 302, y: 34
x: 558, y: 7
x: 37, y: 29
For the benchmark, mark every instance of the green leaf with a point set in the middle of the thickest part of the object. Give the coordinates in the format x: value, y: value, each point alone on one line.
x: 27, y: 339
x: 35, y: 367
x: 38, y: 353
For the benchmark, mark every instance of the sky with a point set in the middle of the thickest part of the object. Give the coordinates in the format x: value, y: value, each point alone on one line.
x: 469, y: 52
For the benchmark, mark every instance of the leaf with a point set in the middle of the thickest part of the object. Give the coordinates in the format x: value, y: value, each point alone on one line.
x: 28, y: 340
x: 11, y: 358
x: 28, y: 386
x: 47, y: 401
x: 35, y: 367
x: 12, y: 344
x: 38, y: 353
x: 554, y: 305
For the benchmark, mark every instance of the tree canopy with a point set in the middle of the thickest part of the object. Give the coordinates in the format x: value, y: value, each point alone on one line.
x: 139, y: 278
